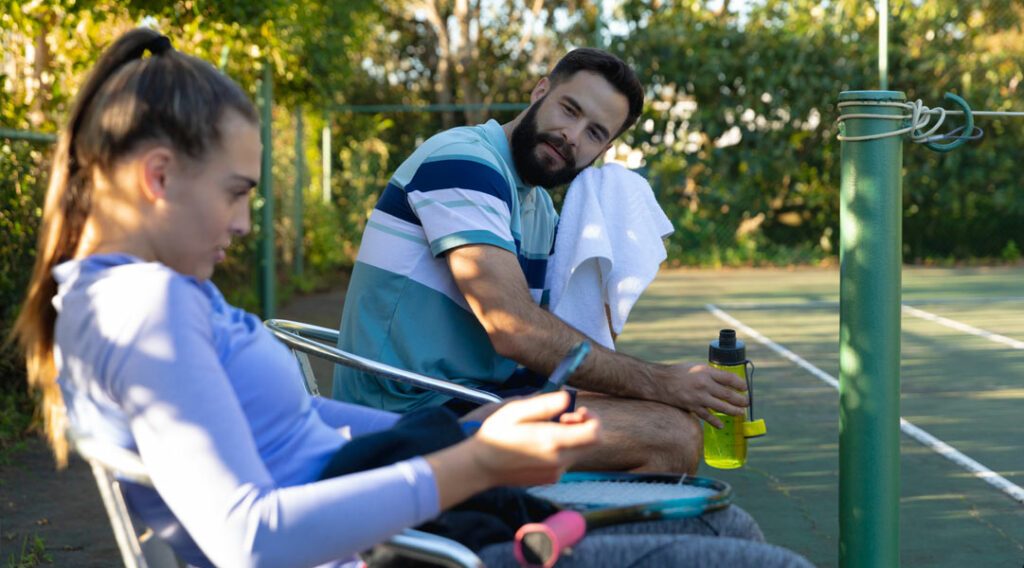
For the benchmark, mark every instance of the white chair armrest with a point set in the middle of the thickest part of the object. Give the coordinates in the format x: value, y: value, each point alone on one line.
x: 307, y: 337
x: 429, y: 547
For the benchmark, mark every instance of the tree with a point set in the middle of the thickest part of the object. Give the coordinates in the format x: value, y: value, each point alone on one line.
x: 474, y: 52
x: 739, y: 137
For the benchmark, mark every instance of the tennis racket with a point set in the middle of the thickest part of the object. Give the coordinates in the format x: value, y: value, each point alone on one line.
x: 592, y: 500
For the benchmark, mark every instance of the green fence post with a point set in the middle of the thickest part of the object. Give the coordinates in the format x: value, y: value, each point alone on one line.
x: 883, y: 44
x: 325, y: 160
x: 870, y: 218
x: 265, y: 261
x: 300, y: 176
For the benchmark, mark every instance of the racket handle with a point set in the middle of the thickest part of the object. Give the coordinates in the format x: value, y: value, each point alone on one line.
x: 540, y: 544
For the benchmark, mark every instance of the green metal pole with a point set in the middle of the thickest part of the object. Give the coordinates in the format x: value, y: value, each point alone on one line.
x: 883, y: 44
x: 428, y: 108
x: 29, y: 136
x: 870, y: 218
x: 265, y: 261
x: 224, y: 52
x: 325, y: 160
x: 300, y: 175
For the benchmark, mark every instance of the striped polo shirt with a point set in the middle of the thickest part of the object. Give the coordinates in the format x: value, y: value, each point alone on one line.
x: 403, y: 307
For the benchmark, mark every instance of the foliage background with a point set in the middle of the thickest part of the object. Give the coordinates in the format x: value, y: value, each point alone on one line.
x: 738, y: 136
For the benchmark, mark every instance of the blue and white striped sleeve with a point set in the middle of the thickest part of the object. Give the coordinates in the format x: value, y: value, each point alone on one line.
x: 462, y: 199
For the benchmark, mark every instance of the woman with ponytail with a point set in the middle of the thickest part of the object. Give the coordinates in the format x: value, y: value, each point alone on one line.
x: 126, y: 338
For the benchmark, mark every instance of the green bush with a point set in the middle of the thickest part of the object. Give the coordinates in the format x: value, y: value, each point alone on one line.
x: 21, y: 167
x: 1010, y: 253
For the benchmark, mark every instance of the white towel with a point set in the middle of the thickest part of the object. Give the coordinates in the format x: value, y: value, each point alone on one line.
x: 608, y: 249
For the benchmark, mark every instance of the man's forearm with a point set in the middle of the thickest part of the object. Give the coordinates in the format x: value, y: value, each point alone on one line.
x: 543, y: 343
x: 495, y: 289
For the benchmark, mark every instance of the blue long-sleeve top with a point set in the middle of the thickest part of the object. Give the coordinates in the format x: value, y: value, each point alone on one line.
x: 159, y: 363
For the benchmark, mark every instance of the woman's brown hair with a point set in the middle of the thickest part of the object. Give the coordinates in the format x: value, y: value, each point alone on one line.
x: 128, y: 99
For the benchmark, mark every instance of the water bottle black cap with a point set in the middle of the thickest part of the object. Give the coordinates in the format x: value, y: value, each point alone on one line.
x: 727, y: 350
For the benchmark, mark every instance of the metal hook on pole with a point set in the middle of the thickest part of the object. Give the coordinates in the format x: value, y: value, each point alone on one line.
x: 968, y: 127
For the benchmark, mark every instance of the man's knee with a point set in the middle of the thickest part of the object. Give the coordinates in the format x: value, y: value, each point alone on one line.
x: 679, y: 442
x: 644, y: 436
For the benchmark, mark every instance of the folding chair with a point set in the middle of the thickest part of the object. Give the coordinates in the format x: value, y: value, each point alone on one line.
x: 306, y: 339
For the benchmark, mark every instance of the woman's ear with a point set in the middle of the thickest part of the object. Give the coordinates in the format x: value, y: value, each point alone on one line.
x: 154, y: 167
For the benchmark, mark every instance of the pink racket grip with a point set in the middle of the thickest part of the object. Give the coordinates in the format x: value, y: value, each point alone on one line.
x: 554, y: 534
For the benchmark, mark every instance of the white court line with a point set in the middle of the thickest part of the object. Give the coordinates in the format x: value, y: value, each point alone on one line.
x: 964, y: 327
x: 786, y: 353
x: 908, y: 428
x: 823, y: 304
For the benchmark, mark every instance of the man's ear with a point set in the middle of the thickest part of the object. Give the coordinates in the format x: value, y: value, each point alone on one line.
x: 540, y: 89
x: 155, y: 166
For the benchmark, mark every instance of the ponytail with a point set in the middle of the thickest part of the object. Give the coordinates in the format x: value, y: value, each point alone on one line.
x: 171, y: 97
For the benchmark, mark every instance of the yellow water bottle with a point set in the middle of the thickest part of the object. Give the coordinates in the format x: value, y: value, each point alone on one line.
x: 726, y: 448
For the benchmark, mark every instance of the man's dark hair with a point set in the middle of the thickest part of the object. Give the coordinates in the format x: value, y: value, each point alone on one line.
x: 614, y: 70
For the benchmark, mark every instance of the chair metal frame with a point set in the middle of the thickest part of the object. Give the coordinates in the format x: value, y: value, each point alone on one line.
x: 110, y: 464
x: 305, y: 338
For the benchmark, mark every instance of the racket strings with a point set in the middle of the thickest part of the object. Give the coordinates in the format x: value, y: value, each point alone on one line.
x: 618, y: 493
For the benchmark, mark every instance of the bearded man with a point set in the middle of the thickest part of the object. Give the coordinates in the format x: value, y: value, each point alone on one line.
x: 449, y: 279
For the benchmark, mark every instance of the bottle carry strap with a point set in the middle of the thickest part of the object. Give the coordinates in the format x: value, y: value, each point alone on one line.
x: 750, y: 385
x: 752, y: 428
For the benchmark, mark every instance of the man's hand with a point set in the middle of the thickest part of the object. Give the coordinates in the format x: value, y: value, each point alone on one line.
x: 700, y: 389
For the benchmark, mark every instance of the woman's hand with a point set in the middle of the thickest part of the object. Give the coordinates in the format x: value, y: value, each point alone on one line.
x: 517, y: 445
x: 520, y: 445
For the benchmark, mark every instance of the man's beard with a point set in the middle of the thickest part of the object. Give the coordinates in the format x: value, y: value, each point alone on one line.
x: 532, y: 169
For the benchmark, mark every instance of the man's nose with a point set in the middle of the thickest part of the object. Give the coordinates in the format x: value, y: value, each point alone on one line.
x: 571, y: 134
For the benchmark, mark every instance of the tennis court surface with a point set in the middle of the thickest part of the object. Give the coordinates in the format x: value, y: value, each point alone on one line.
x: 962, y: 366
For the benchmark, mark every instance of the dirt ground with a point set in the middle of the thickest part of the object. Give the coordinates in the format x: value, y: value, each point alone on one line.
x: 61, y: 507
x: 64, y: 509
